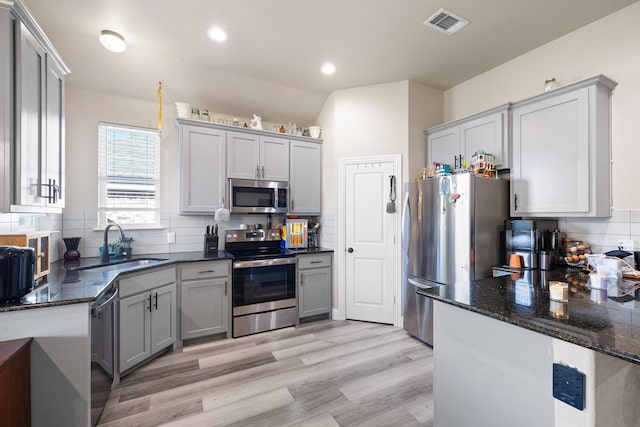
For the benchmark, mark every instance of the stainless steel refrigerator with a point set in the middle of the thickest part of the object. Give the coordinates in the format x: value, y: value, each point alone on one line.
x: 451, y: 234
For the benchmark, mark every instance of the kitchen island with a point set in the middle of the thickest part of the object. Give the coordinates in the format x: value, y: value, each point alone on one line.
x: 496, y: 341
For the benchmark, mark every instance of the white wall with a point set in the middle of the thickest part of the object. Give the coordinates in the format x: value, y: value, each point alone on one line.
x: 608, y: 46
x: 84, y: 109
x: 377, y: 120
x: 384, y: 119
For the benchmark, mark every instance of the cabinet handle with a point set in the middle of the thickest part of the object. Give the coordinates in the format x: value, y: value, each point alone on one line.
x: 301, y: 280
x: 156, y: 301
x: 293, y: 203
x: 257, y: 171
x: 262, y: 171
x: 225, y: 287
x: 149, y: 303
x: 515, y: 202
x: 206, y: 271
x: 316, y: 262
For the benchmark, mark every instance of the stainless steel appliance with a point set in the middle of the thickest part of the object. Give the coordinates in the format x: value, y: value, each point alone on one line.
x: 451, y: 234
x: 16, y: 272
x: 255, y: 196
x: 103, y: 315
x: 263, y: 282
x: 528, y: 238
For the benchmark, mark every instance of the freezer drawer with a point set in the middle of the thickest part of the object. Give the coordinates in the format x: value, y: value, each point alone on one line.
x: 418, y: 311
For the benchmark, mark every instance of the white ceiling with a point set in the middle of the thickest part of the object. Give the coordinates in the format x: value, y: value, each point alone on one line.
x: 270, y: 64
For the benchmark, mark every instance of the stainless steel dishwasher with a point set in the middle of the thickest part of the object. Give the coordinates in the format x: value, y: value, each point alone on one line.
x: 102, y: 350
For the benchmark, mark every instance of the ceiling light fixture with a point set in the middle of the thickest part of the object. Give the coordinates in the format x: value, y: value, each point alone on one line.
x: 112, y: 41
x: 217, y: 34
x: 328, y: 68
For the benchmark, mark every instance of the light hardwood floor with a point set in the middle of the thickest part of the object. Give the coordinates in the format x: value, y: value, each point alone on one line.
x: 326, y: 373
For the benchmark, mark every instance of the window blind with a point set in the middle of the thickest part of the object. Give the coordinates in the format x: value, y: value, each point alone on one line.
x: 129, y: 174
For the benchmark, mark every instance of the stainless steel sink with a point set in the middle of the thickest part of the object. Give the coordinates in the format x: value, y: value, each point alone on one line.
x: 122, y: 264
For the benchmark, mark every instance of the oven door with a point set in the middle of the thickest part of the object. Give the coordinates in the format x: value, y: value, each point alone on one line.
x: 264, y: 295
x: 261, y: 283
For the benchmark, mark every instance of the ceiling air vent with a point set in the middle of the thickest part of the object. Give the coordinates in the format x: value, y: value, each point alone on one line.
x: 446, y: 21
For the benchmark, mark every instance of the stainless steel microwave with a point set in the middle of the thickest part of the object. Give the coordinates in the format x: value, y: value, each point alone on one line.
x: 255, y: 196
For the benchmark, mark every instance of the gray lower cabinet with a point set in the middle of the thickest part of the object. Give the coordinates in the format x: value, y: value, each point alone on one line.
x: 314, y: 284
x: 204, y: 298
x: 147, y: 316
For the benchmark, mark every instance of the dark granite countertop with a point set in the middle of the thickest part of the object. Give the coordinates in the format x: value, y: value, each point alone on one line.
x: 607, y: 321
x: 65, y: 285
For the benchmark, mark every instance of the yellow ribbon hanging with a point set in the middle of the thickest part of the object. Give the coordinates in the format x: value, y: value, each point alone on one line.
x: 159, y: 106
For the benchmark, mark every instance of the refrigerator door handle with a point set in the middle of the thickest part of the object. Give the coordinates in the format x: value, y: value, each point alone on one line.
x: 406, y: 213
x: 418, y: 284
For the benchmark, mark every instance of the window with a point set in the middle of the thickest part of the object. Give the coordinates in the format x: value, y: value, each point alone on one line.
x: 129, y: 176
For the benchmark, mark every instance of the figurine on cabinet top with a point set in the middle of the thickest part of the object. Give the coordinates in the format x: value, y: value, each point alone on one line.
x: 256, y: 122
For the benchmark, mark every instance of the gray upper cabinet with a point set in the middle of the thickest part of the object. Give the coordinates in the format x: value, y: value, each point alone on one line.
x: 562, y: 152
x: 30, y: 94
x: 202, y: 168
x: 453, y: 142
x: 32, y: 81
x: 305, y: 178
x: 252, y: 156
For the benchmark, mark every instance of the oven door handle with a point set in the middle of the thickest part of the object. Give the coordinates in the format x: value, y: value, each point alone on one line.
x: 264, y: 262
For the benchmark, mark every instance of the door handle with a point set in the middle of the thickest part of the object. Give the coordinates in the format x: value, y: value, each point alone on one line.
x: 350, y: 250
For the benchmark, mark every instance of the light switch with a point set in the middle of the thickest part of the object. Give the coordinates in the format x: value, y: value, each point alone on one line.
x: 171, y: 237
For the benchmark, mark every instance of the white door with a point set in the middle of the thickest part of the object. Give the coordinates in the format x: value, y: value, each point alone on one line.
x: 370, y: 242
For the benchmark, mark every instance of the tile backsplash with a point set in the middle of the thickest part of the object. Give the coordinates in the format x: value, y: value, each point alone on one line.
x: 603, y: 234
x: 189, y: 230
x: 25, y: 223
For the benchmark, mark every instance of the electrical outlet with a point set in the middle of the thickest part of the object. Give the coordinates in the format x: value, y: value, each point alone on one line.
x: 626, y: 245
x: 171, y: 237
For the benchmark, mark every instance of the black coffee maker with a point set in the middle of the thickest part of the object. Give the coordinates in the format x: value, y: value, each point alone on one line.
x: 16, y: 272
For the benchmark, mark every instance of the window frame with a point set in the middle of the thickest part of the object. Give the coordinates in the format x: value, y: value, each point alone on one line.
x: 104, y: 203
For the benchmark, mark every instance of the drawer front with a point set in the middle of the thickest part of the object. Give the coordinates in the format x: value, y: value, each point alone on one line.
x: 205, y: 269
x: 314, y: 261
x: 134, y: 284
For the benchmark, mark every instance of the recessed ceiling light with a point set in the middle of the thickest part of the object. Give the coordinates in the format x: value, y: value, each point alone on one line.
x: 328, y: 68
x: 217, y: 34
x: 112, y: 41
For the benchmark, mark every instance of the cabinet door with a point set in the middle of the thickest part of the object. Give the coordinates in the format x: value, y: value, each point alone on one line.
x: 204, y: 307
x: 314, y: 291
x: 52, y: 167
x: 30, y: 78
x: 443, y: 146
x: 163, y: 317
x: 274, y: 156
x: 135, y: 330
x: 550, y: 171
x: 243, y: 155
x: 485, y: 133
x: 305, y: 178
x: 202, y: 169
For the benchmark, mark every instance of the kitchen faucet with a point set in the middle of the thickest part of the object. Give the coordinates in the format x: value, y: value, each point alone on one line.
x: 105, y: 244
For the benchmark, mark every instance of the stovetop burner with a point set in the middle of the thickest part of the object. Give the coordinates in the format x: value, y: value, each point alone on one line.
x: 255, y: 244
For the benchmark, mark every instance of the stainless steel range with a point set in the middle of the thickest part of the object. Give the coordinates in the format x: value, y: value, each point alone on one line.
x: 264, y: 282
